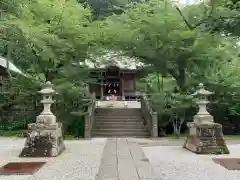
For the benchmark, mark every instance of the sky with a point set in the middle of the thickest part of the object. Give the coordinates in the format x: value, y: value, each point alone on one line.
x: 188, y: 1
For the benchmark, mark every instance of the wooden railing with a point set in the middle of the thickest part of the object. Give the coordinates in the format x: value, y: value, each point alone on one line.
x: 150, y: 116
x: 90, y: 118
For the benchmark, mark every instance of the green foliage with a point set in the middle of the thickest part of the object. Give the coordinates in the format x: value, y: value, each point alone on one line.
x: 217, y: 16
x: 47, y: 40
x: 11, y: 133
x: 171, y: 48
x: 181, y: 47
x: 169, y: 104
x: 18, y: 103
x: 43, y: 32
x: 102, y: 8
x: 221, y: 150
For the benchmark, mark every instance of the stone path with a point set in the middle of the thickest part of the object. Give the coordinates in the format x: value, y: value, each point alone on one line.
x: 123, y: 160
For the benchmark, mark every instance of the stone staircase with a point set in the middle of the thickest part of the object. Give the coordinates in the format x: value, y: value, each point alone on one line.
x: 118, y: 104
x: 119, y: 122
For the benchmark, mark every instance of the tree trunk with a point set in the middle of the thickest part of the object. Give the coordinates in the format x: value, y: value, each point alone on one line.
x: 158, y: 82
x: 181, y: 78
x: 50, y: 75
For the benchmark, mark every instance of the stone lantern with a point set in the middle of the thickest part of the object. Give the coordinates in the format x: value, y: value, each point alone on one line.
x: 45, y: 137
x: 205, y: 136
x: 47, y: 117
x: 203, y: 116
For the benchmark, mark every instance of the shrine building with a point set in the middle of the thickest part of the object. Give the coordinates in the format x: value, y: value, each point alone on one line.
x: 116, y: 78
x: 4, y: 74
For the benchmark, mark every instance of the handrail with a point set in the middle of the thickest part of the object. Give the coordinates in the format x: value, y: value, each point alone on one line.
x: 150, y: 116
x: 90, y: 117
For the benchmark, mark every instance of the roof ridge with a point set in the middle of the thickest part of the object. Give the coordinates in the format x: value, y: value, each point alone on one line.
x: 12, y: 67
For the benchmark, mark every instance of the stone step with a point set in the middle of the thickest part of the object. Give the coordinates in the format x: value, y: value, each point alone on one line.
x: 118, y: 117
x: 121, y: 121
x: 118, y: 129
x: 120, y: 134
x: 119, y: 124
x: 124, y: 126
x: 124, y: 121
x: 118, y: 114
x: 118, y: 109
x: 127, y: 110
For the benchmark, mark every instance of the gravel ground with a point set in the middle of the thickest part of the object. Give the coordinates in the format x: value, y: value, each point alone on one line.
x: 169, y: 141
x: 176, y: 163
x: 80, y: 161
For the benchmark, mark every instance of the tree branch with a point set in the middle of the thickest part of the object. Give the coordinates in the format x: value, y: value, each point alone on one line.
x: 184, y: 19
x: 192, y: 27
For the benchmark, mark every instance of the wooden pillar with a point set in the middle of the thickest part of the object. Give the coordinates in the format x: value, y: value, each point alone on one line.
x: 122, y: 86
x: 101, y: 90
x: 134, y: 82
x: 123, y: 96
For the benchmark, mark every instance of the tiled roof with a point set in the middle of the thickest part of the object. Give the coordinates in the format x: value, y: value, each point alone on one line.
x: 12, y: 67
x: 113, y: 59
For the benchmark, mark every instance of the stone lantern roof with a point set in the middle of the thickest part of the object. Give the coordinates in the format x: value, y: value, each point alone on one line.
x: 202, y: 91
x: 48, y: 89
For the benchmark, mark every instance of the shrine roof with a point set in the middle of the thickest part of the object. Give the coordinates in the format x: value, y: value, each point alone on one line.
x: 12, y: 67
x: 113, y: 59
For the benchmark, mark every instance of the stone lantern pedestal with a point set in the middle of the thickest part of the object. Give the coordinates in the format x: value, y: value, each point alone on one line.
x: 205, y: 136
x: 45, y: 137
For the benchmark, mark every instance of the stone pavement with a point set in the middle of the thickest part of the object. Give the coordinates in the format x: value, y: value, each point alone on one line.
x: 123, y: 160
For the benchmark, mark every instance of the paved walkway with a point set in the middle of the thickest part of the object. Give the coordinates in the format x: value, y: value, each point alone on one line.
x: 123, y: 160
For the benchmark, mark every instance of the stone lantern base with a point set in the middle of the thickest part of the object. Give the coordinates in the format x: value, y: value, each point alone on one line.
x: 206, y: 138
x: 43, y: 140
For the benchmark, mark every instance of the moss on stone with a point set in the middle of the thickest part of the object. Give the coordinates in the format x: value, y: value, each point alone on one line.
x: 221, y: 150
x: 225, y: 149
